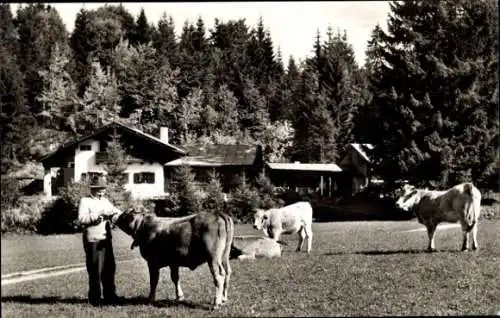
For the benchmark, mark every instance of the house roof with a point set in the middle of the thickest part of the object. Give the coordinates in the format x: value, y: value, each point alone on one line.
x: 328, y: 167
x: 217, y: 155
x: 361, y: 151
x: 73, y: 144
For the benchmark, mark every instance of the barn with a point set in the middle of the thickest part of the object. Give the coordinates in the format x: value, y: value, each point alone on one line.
x: 230, y: 162
x: 317, y: 178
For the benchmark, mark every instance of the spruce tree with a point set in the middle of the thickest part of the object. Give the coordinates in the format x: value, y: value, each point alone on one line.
x: 435, y: 120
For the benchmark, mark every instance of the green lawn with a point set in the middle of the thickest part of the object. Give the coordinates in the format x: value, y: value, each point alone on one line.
x: 355, y: 269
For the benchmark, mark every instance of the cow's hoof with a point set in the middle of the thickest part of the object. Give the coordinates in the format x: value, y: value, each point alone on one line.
x: 179, y: 299
x: 431, y: 250
x: 150, y: 301
x: 475, y: 248
x: 464, y: 249
x: 216, y: 307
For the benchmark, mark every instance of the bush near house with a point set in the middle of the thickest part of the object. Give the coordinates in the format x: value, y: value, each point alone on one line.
x: 25, y: 216
x: 10, y: 193
x: 62, y: 215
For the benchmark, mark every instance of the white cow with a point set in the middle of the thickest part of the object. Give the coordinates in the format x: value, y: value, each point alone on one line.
x: 253, y: 246
x: 462, y: 203
x: 294, y: 218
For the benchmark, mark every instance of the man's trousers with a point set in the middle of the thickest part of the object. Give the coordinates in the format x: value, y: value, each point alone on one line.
x: 101, y: 268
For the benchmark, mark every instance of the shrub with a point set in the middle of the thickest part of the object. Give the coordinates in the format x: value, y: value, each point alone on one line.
x: 62, y: 215
x: 26, y: 216
x: 214, y: 199
x: 117, y: 194
x: 10, y: 193
x: 244, y: 201
x: 184, y: 195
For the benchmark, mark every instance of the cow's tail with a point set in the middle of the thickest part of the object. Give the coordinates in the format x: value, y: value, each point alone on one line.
x: 229, y: 224
x: 473, y: 207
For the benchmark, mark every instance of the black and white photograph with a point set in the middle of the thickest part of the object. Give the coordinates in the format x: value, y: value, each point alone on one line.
x: 250, y: 159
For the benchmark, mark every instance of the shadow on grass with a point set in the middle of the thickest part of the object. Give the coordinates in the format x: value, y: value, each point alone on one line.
x: 413, y: 251
x: 125, y: 302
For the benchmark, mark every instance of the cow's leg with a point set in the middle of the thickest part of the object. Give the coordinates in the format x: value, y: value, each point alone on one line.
x: 469, y: 232
x: 154, y: 275
x: 174, y: 275
x: 227, y: 277
x: 218, y: 276
x: 465, y: 240
x: 309, y: 236
x: 302, y: 235
x: 475, y: 245
x: 431, y: 232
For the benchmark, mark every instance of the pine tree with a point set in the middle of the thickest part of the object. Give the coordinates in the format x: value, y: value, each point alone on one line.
x: 226, y: 105
x: 214, y: 200
x: 429, y: 75
x: 107, y: 26
x: 82, y: 44
x: 159, y: 104
x: 165, y: 41
x: 189, y: 202
x: 189, y: 113
x: 288, y: 98
x: 143, y: 31
x: 116, y: 166
x: 39, y: 29
x: 59, y: 96
x: 14, y: 114
x: 136, y: 68
x: 253, y: 112
x: 100, y: 104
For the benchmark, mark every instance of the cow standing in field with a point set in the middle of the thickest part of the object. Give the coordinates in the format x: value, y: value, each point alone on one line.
x: 462, y: 203
x: 182, y: 242
x: 294, y: 218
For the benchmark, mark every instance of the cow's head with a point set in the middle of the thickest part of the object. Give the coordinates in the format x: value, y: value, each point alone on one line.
x: 128, y: 221
x: 260, y: 219
x: 408, y: 198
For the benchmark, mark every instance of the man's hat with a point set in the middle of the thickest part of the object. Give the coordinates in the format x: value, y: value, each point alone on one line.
x: 98, y: 182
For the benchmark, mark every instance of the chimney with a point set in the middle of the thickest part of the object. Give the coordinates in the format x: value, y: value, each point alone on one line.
x: 164, y: 134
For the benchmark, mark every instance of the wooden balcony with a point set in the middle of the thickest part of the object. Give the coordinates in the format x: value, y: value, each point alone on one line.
x: 102, y: 157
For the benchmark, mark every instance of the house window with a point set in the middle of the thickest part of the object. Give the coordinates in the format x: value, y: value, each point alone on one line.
x: 88, y: 176
x: 85, y: 147
x: 144, y: 177
x: 103, y: 145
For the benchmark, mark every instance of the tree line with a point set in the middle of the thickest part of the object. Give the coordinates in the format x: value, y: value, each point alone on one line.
x: 427, y: 96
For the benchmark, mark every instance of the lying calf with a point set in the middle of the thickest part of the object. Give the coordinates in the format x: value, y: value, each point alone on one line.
x: 182, y: 242
x: 251, y: 247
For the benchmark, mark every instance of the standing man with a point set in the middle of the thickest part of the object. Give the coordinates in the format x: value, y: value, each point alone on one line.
x: 94, y: 213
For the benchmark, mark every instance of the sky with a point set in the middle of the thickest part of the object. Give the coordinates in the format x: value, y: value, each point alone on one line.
x: 292, y: 25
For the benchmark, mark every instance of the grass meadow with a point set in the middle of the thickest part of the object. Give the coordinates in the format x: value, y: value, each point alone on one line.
x: 371, y: 268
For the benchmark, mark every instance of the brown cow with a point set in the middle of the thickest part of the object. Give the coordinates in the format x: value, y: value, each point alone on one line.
x: 462, y: 203
x: 182, y: 242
